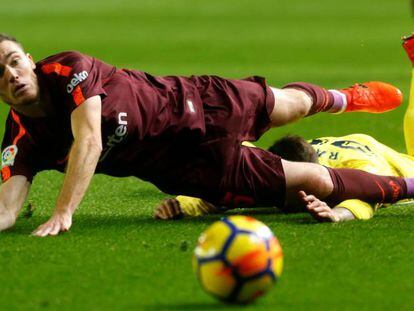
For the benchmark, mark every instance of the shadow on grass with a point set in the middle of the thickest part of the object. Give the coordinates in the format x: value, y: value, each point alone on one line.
x: 85, y: 223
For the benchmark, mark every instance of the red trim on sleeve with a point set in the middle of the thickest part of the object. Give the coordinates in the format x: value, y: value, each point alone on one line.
x: 5, y: 173
x: 57, y: 68
x: 78, y: 97
x: 22, y: 130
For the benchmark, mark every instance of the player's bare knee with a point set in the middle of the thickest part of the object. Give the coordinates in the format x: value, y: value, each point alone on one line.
x: 290, y: 105
x: 309, y: 177
x: 322, y: 181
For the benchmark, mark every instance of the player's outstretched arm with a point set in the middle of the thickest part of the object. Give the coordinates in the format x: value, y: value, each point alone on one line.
x: 13, y: 193
x: 184, y: 206
x: 323, y: 212
x: 83, y: 158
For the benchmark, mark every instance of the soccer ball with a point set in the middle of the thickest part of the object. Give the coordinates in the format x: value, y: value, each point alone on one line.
x: 237, y: 259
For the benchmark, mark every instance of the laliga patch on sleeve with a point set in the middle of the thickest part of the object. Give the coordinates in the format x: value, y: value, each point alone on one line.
x: 8, y: 155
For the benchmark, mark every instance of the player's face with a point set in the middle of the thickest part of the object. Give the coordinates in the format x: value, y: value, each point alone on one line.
x: 18, y: 81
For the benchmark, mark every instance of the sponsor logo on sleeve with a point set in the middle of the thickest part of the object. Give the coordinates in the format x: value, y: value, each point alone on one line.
x: 77, y: 78
x: 119, y: 135
x: 8, y: 155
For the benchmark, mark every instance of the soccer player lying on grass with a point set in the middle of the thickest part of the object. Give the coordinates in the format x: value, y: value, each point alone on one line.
x: 353, y: 151
x: 356, y: 151
x: 76, y: 114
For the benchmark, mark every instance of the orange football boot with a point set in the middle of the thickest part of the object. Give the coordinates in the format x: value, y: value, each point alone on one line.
x: 408, y: 45
x: 374, y: 97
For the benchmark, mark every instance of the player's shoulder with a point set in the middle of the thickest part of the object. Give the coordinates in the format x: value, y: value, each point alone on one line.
x: 361, y: 138
x: 64, y: 58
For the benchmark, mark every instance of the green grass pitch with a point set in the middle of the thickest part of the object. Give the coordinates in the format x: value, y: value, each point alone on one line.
x: 116, y: 256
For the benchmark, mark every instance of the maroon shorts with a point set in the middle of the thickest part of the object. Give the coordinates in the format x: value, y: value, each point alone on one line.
x: 237, y: 108
x: 221, y: 170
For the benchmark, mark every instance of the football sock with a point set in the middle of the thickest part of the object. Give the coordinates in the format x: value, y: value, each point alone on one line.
x: 322, y: 100
x: 356, y: 184
x: 410, y: 186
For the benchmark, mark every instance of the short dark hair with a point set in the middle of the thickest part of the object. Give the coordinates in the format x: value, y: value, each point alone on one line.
x: 294, y: 148
x: 6, y: 37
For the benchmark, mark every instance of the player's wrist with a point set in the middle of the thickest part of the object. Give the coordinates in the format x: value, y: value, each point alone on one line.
x: 64, y: 211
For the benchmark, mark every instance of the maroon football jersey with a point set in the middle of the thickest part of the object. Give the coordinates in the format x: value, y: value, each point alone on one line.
x: 145, y: 119
x: 183, y: 134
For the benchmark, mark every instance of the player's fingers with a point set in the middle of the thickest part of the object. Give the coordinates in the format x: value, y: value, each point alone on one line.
x: 315, y: 203
x: 314, y: 214
x: 169, y: 211
x: 325, y: 216
x: 39, y: 230
x: 160, y: 212
x: 321, y: 209
x: 55, y: 229
x: 43, y: 232
x: 311, y: 206
x: 65, y: 225
x: 302, y: 194
x: 309, y: 198
x: 171, y: 208
x: 176, y: 207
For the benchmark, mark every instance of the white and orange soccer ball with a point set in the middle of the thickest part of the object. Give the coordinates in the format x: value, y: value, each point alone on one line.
x: 237, y: 259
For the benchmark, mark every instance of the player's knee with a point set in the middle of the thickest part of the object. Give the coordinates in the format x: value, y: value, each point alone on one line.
x: 302, y: 102
x: 321, y: 182
x: 290, y: 105
x: 312, y: 178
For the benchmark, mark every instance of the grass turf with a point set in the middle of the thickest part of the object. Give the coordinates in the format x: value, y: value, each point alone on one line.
x: 116, y: 256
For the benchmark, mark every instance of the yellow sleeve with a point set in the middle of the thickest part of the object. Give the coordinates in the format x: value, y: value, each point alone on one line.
x: 195, y: 207
x: 360, y: 209
x: 409, y: 119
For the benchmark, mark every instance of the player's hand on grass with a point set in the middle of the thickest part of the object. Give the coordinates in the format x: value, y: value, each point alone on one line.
x: 319, y: 209
x: 168, y: 209
x: 59, y: 222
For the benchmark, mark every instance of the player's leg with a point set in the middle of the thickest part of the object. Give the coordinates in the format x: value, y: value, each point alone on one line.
x: 297, y: 100
x: 258, y: 177
x: 408, y: 44
x: 337, y: 185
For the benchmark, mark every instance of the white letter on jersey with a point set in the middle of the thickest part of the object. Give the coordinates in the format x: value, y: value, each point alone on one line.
x: 77, y: 78
x: 120, y: 116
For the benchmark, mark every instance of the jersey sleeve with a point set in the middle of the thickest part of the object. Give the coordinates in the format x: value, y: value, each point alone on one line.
x: 17, y: 150
x: 360, y: 209
x: 77, y: 77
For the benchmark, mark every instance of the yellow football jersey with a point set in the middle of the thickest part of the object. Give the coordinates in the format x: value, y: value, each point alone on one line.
x: 359, y: 151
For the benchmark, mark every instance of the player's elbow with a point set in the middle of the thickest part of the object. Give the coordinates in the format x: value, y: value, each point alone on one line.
x: 93, y: 144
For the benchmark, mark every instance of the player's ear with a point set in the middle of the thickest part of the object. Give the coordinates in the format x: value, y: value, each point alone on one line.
x: 31, y: 60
